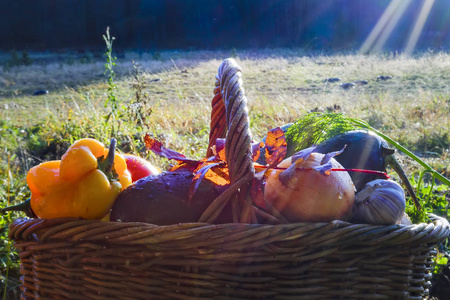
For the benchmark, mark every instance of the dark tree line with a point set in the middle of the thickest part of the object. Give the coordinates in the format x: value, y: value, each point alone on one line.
x: 208, y: 24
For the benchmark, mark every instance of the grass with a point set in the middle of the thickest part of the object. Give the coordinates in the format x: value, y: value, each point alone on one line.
x: 168, y: 95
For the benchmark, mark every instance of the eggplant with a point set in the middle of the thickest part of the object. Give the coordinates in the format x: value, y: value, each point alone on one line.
x: 163, y: 199
x: 363, y: 150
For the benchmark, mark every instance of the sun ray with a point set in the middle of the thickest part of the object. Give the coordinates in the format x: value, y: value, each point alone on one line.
x: 381, y: 24
x: 418, y: 27
x: 398, y: 13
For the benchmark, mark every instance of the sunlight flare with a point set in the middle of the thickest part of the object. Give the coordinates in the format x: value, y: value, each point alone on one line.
x: 381, y: 24
x: 418, y: 27
x: 390, y: 26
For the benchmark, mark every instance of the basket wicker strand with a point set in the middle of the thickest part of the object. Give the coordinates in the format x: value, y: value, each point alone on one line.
x: 82, y: 259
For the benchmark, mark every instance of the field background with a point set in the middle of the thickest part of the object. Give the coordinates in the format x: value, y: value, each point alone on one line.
x: 281, y: 85
x: 167, y: 94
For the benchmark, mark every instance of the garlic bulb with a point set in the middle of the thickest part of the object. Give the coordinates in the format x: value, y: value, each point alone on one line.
x: 380, y: 202
x: 405, y: 220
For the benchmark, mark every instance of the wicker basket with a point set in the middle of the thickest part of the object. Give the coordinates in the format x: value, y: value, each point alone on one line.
x: 81, y: 259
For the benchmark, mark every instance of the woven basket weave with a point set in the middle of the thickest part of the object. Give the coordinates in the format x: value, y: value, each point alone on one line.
x: 81, y: 259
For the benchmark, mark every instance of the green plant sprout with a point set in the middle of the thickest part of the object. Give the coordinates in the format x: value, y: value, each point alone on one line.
x: 112, y: 100
x: 435, y: 174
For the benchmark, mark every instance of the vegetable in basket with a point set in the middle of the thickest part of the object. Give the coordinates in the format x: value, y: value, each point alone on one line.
x: 309, y: 189
x: 380, y: 202
x: 83, y: 184
x: 139, y: 167
x: 164, y: 199
x: 364, y: 150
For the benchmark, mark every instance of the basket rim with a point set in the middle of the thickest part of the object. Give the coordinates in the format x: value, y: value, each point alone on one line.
x: 79, y: 230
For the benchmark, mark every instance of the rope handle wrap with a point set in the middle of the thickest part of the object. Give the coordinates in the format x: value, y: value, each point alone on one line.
x: 229, y: 119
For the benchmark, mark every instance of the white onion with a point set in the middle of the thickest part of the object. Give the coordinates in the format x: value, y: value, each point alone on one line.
x: 309, y: 195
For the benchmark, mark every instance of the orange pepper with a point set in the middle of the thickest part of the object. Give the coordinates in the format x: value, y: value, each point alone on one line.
x: 83, y: 184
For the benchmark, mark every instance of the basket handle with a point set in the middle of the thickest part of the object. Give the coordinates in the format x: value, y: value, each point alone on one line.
x: 229, y: 118
x: 218, y: 122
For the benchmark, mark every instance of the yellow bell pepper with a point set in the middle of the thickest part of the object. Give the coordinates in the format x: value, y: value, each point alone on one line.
x: 83, y: 184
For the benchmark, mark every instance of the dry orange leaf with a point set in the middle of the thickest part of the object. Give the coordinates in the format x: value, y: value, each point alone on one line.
x: 276, y: 146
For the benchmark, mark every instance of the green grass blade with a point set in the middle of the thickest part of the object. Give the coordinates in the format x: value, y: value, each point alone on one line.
x: 437, y: 175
